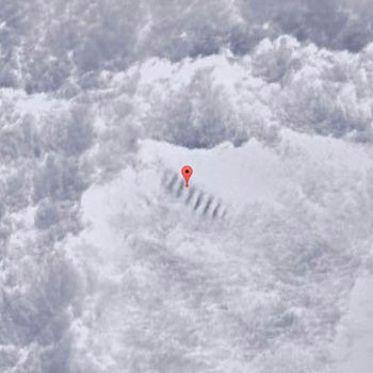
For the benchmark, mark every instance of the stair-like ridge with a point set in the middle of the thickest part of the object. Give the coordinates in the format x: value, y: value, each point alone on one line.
x: 198, y: 200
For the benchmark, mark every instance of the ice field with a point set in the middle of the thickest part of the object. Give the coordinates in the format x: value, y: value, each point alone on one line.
x: 108, y: 264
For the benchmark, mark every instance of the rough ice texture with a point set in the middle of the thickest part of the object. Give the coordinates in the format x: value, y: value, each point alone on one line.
x: 107, y: 265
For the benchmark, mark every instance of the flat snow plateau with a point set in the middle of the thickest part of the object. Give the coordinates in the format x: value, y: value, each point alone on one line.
x: 261, y: 289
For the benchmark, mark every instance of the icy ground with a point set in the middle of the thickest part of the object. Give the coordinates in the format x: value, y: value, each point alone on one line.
x: 108, y: 264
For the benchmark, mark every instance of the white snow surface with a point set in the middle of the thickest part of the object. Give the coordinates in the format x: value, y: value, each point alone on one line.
x: 108, y: 264
x: 263, y: 290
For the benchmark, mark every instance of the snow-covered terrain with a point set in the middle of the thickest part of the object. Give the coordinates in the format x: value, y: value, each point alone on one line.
x: 109, y: 264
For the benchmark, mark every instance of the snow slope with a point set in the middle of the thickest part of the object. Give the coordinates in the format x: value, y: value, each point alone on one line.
x: 354, y: 343
x: 108, y: 264
x: 261, y: 291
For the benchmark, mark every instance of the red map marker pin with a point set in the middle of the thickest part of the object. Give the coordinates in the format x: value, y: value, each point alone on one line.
x: 187, y: 172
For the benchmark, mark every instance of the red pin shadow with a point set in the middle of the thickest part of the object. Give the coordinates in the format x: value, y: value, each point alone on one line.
x: 187, y: 172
